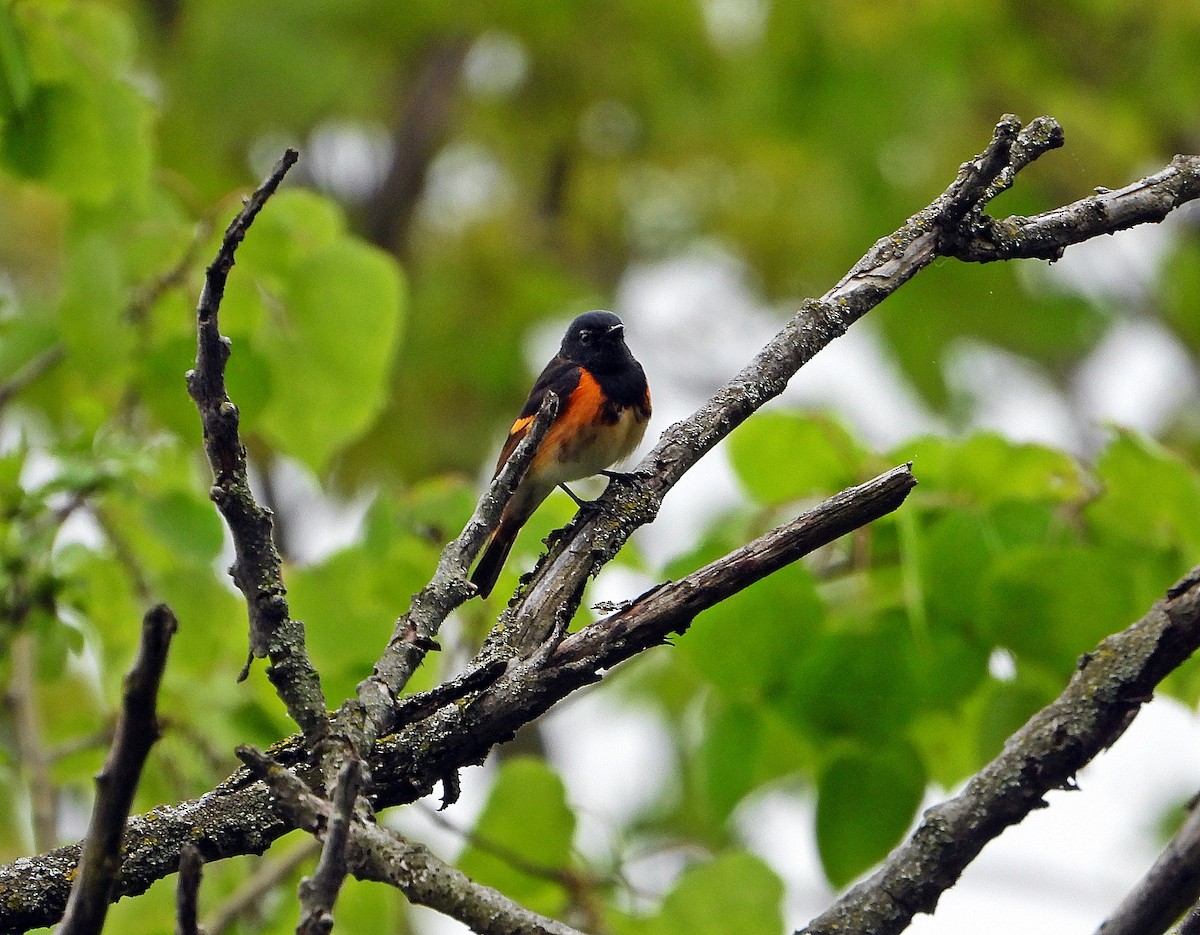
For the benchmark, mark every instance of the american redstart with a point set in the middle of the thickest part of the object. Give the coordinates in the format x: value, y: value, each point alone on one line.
x: 603, y: 410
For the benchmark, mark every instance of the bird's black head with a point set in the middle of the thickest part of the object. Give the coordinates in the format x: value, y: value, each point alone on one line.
x: 596, y: 339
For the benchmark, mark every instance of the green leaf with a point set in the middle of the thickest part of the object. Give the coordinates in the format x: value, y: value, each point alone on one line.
x: 1150, y: 496
x: 866, y: 800
x: 323, y: 313
x: 186, y: 524
x: 297, y: 224
x: 359, y: 590
x: 98, y: 341
x: 84, y: 130
x: 989, y: 469
x: 525, y: 823
x: 1002, y: 708
x: 1180, y: 284
x: 331, y: 359
x: 1051, y: 603
x: 854, y: 683
x: 728, y: 757
x: 957, y: 550
x: 770, y: 624
x: 734, y: 894
x: 782, y: 456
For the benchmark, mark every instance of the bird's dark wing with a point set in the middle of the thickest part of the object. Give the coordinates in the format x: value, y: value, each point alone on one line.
x: 561, y: 376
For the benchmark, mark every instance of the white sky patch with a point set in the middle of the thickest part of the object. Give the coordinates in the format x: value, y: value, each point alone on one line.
x: 1138, y: 377
x: 1012, y: 396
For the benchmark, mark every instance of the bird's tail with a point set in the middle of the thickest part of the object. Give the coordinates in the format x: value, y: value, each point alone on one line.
x: 492, y: 561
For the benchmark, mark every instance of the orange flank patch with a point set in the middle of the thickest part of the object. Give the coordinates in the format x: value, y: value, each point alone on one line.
x: 586, y: 438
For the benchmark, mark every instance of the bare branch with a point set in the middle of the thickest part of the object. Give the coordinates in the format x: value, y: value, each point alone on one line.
x: 257, y: 572
x: 187, y: 892
x: 137, y: 730
x: 319, y: 892
x: 1101, y: 700
x: 1169, y: 887
x: 1046, y: 236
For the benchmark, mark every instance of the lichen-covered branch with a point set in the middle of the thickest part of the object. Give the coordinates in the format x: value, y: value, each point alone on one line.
x: 373, y: 853
x: 117, y: 781
x: 319, y: 892
x: 427, y: 881
x: 256, y: 571
x: 1112, y: 683
x: 240, y: 815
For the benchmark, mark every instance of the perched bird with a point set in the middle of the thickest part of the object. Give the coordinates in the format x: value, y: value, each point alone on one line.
x: 605, y: 404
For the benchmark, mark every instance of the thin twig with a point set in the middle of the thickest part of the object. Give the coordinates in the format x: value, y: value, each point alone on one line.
x: 319, y: 892
x: 257, y: 569
x: 377, y: 854
x: 425, y: 880
x: 1169, y: 887
x: 187, y: 891
x: 581, y: 887
x: 137, y: 730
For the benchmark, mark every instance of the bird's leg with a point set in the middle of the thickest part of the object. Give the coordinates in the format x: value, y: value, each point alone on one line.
x: 582, y: 504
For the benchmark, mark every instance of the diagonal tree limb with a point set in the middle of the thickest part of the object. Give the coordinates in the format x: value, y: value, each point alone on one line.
x: 256, y: 571
x: 319, y: 892
x: 1047, y: 236
x: 1169, y: 887
x: 427, y: 881
x: 117, y: 780
x: 1106, y: 692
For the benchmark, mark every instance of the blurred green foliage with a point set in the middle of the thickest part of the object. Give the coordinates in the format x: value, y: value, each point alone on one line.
x: 377, y: 320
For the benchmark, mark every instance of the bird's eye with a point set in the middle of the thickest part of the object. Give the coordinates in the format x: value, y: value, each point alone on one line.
x: 585, y: 337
